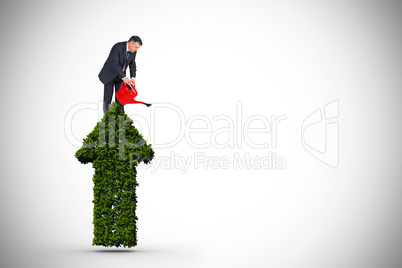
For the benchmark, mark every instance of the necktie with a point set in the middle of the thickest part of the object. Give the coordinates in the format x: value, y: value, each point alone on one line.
x: 125, y: 64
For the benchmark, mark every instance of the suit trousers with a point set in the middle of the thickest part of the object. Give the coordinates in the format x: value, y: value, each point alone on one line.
x: 107, y: 97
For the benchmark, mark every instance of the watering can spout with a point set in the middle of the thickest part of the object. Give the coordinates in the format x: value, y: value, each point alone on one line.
x: 140, y: 102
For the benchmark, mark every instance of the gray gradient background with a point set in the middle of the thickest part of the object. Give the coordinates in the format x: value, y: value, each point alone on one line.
x: 282, y: 57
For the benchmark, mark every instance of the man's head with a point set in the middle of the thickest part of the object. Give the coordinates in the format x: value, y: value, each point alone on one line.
x: 134, y: 43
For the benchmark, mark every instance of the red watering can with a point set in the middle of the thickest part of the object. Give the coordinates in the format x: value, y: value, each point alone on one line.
x: 127, y: 93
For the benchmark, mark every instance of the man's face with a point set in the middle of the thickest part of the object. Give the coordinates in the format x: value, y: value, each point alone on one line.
x: 133, y: 46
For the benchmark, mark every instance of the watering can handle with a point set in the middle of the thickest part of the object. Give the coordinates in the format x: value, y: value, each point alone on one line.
x: 131, y: 87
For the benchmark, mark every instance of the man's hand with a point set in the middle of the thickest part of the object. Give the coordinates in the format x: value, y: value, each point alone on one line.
x: 126, y: 80
x: 132, y: 81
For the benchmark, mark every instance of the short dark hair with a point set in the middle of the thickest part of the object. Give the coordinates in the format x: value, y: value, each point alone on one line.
x: 135, y: 39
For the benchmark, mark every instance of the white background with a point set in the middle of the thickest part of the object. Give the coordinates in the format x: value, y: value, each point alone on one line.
x: 276, y: 58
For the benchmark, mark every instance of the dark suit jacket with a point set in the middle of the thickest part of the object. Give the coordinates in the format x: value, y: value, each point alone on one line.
x: 113, y: 66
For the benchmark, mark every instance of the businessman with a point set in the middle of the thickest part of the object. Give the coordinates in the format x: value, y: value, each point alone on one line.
x: 113, y: 72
